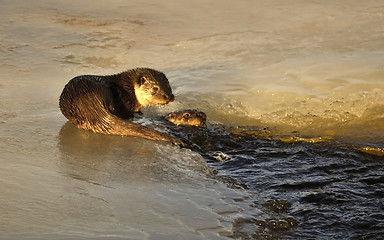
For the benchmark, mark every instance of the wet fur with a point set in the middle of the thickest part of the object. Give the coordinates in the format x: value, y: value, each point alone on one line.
x: 189, y: 117
x: 103, y: 104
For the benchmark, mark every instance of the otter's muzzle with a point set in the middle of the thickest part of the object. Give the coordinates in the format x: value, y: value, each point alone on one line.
x: 169, y: 98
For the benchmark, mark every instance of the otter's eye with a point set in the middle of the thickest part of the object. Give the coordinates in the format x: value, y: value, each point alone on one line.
x: 155, y: 90
x: 186, y: 115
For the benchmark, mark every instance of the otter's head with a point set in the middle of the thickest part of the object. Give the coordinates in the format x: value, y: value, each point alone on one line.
x: 152, y: 87
x: 188, y: 117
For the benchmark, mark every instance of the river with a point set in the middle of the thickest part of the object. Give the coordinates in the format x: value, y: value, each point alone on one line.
x: 309, y: 73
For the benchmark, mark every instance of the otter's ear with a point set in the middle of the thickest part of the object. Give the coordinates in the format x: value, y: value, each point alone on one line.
x: 142, y: 80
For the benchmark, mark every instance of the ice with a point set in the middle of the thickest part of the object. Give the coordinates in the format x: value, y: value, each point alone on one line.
x: 314, y: 69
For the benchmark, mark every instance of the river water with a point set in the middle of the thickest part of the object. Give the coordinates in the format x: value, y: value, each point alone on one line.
x: 293, y: 91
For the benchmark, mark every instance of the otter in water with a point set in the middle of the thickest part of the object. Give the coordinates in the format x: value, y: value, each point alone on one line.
x: 189, y: 117
x: 103, y: 104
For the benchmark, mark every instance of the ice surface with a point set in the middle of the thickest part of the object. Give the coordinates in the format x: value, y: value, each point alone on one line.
x: 292, y: 66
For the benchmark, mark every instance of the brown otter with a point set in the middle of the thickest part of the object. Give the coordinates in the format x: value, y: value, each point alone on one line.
x: 103, y: 104
x: 189, y: 117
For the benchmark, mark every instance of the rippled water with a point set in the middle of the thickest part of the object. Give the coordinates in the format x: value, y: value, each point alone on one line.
x: 333, y: 191
x: 293, y: 91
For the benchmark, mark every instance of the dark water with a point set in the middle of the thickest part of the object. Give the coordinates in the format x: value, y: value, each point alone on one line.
x: 322, y: 190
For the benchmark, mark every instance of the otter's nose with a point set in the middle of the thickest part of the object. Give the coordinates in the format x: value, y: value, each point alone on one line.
x: 169, y: 98
x: 202, y: 115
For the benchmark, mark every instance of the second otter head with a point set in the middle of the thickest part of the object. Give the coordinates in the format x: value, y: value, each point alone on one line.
x: 188, y: 117
x: 152, y: 87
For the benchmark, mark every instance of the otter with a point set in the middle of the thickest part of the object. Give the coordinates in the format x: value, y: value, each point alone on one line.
x: 104, y: 104
x: 189, y: 117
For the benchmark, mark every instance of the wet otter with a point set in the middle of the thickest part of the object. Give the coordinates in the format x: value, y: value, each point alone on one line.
x: 189, y: 117
x: 103, y: 104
